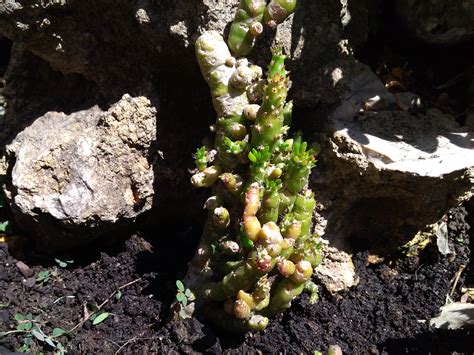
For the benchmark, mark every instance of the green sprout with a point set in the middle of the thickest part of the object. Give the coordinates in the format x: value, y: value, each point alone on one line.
x: 34, y: 334
x: 201, y: 159
x: 184, y: 295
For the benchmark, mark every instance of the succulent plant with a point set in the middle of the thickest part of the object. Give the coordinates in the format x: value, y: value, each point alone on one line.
x: 257, y: 251
x: 247, y: 24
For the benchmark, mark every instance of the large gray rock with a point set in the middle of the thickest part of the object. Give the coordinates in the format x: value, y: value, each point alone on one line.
x: 80, y: 175
x: 385, y: 174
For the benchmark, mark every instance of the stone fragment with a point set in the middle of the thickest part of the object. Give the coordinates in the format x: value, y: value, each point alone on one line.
x: 77, y: 176
x: 336, y: 272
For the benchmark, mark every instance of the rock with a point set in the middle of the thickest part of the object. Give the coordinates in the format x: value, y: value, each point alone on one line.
x: 387, y: 174
x: 336, y: 271
x: 80, y: 175
x: 24, y: 269
x: 193, y: 336
x: 438, y: 22
x: 102, y: 40
x: 455, y: 316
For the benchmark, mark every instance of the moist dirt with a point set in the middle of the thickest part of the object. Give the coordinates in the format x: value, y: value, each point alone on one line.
x: 387, y: 313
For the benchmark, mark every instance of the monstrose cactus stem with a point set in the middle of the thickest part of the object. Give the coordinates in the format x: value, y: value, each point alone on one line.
x: 257, y: 251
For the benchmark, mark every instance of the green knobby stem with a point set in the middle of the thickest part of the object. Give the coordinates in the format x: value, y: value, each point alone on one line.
x: 247, y: 25
x: 230, y: 148
x: 230, y: 323
x: 269, y: 210
x: 283, y: 293
x: 277, y: 11
x: 260, y: 216
x: 299, y: 165
x: 309, y: 249
x: 312, y: 289
x: 268, y: 125
x: 227, y: 77
x: 242, y: 278
x: 303, y: 211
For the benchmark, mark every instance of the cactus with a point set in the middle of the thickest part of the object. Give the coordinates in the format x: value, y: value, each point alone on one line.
x: 257, y: 251
x: 246, y: 27
x: 247, y: 24
x: 277, y: 11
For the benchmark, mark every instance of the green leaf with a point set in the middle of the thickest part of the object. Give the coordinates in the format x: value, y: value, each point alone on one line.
x: 29, y: 316
x: 38, y: 335
x: 19, y: 317
x: 58, y: 332
x: 252, y: 157
x: 24, y: 349
x: 4, y: 226
x: 118, y: 295
x: 181, y: 297
x: 188, y: 293
x: 61, y: 263
x: 100, y: 318
x: 185, y: 302
x: 24, y: 326
x: 42, y: 276
x: 179, y: 285
x: 2, y: 334
x: 50, y: 342
x: 5, y: 305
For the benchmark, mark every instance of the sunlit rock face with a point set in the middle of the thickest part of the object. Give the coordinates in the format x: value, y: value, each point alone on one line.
x: 80, y: 175
x: 388, y: 173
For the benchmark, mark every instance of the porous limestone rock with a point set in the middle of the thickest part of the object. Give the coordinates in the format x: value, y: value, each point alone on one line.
x: 336, y: 271
x: 79, y: 175
x: 388, y: 173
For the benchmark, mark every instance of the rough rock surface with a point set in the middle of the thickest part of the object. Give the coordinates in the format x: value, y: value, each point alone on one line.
x: 336, y: 271
x: 438, y: 22
x: 389, y: 173
x: 76, y: 175
x: 148, y: 39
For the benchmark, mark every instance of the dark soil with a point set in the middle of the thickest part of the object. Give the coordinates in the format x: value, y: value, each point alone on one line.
x: 388, y: 312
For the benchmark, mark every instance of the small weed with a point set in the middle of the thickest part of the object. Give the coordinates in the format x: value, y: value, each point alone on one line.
x: 34, y: 334
x: 184, y: 295
x: 45, y: 275
x: 99, y: 318
x: 63, y: 263
x: 5, y: 227
x: 5, y: 305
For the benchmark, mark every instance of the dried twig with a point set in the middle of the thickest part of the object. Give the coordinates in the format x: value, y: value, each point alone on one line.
x: 125, y: 344
x: 456, y: 279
